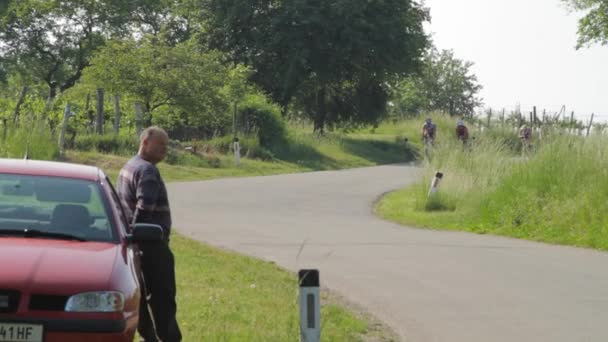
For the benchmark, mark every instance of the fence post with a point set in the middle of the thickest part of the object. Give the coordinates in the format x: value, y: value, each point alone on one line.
x: 520, y: 121
x: 4, y: 129
x: 590, y: 123
x: 544, y: 116
x: 100, y: 115
x: 571, y: 128
x: 562, y: 110
x: 116, y: 113
x: 19, y: 103
x: 64, y: 125
x: 138, y: 119
x: 49, y: 100
x: 489, y: 117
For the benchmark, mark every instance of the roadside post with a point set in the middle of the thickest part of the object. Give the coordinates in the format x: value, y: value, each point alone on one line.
x: 64, y: 126
x: 310, y: 306
x: 237, y: 151
x: 435, y: 183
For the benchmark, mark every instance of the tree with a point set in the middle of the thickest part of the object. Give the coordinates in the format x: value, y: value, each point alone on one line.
x: 407, y: 98
x: 53, y: 41
x: 331, y: 56
x: 3, y: 74
x: 449, y: 85
x: 593, y: 27
x: 172, y: 21
x: 181, y: 84
x: 445, y: 84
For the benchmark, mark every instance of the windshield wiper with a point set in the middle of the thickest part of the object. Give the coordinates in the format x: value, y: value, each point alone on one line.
x: 40, y: 233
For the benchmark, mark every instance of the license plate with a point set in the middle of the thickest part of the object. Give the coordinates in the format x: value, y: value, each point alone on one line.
x: 13, y: 332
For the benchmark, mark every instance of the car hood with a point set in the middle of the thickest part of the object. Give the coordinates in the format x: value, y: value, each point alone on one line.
x: 55, y: 266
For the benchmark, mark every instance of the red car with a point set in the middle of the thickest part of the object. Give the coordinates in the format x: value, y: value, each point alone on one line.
x: 69, y: 261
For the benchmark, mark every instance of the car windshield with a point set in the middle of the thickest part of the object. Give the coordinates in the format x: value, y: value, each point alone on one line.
x: 53, y: 207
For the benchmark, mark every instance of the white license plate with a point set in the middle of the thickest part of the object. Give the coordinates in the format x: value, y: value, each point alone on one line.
x: 15, y: 332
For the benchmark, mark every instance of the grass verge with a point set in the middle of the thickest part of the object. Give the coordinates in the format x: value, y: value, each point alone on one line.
x: 556, y: 195
x: 223, y: 296
x: 306, y: 153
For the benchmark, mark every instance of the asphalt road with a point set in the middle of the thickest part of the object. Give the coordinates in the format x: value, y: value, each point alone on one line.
x: 427, y: 285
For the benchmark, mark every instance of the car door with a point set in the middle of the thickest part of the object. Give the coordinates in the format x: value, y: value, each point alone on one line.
x: 131, y: 250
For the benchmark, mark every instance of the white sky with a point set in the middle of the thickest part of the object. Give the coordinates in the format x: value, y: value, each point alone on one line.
x: 524, y: 53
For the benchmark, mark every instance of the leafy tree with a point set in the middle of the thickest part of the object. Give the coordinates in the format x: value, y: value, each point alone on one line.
x: 171, y: 21
x: 177, y: 85
x: 593, y: 27
x: 445, y: 84
x: 343, y: 103
x: 53, y: 41
x: 407, y: 97
x: 325, y: 54
x: 3, y: 74
x: 449, y: 84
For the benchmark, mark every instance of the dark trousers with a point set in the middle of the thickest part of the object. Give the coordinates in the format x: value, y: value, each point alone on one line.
x: 158, y: 268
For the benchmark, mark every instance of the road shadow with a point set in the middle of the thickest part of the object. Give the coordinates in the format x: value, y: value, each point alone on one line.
x: 305, y: 156
x: 381, y: 152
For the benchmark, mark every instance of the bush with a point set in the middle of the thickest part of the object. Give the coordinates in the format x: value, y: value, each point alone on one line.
x: 265, y: 120
x: 108, y: 143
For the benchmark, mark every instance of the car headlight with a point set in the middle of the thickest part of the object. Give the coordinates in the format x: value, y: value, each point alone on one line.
x: 103, y: 301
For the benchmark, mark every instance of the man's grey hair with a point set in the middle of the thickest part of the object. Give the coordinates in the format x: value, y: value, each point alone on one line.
x: 151, y: 132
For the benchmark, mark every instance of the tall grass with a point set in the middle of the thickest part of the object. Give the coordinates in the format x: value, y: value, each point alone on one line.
x: 556, y: 194
x: 108, y: 143
x: 470, y: 172
x: 31, y: 136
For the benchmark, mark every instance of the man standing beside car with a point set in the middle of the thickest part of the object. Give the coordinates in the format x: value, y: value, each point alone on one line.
x: 144, y: 196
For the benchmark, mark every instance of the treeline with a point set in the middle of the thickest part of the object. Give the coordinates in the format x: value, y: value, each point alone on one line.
x: 203, y: 68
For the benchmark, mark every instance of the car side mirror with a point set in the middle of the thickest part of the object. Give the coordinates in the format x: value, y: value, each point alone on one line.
x: 145, y: 232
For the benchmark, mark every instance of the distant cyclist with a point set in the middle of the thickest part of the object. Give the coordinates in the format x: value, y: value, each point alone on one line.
x: 525, y: 134
x: 462, y: 132
x: 428, y: 131
x: 428, y: 137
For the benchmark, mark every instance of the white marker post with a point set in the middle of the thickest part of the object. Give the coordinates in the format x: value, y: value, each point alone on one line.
x: 435, y: 183
x: 237, y: 151
x: 310, y: 306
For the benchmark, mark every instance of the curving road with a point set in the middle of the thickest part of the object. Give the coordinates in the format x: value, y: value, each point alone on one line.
x: 427, y: 285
